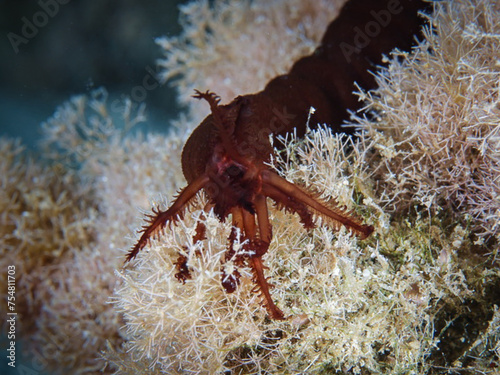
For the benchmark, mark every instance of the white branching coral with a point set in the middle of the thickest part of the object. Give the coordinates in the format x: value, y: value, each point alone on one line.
x: 193, y: 333
x: 67, y: 224
x: 45, y: 214
x: 75, y: 294
x: 436, y: 132
x: 235, y: 48
x: 350, y: 303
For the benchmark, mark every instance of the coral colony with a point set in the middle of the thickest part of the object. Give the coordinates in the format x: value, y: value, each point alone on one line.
x: 419, y: 296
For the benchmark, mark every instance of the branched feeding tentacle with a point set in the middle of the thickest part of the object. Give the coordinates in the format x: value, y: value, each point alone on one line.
x: 160, y: 219
x: 331, y: 213
x: 256, y: 248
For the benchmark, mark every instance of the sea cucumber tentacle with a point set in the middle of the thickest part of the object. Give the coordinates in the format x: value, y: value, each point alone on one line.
x: 160, y: 219
x: 257, y: 248
x: 265, y: 229
x: 331, y: 212
x: 263, y: 287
